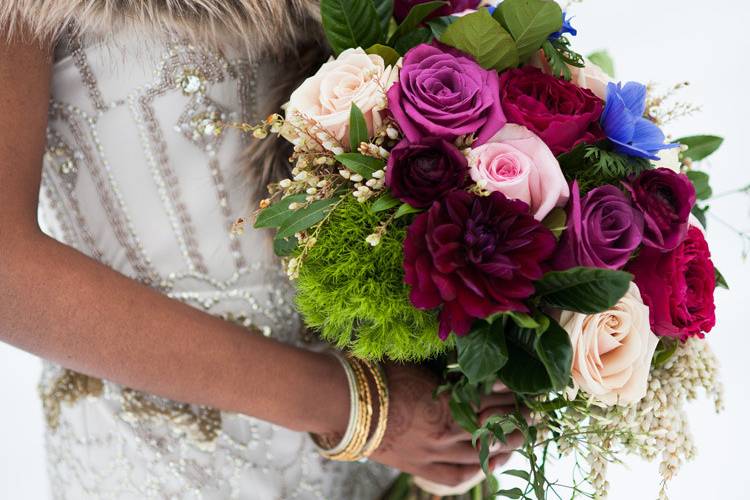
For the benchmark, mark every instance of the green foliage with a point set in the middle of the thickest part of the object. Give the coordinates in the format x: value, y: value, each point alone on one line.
x: 700, y: 180
x: 560, y: 56
x: 389, y: 55
x: 594, y: 165
x: 602, y: 59
x: 355, y: 295
x: 483, y: 352
x: 360, y: 164
x: 276, y: 214
x: 530, y: 22
x: 357, y: 128
x: 414, y: 18
x: 587, y: 290
x: 665, y: 349
x: 384, y: 8
x: 700, y: 146
x: 482, y: 37
x: 349, y: 23
x: 305, y: 217
x: 721, y: 281
x: 385, y: 202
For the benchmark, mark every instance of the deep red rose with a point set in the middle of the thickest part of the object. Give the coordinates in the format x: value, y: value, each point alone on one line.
x: 678, y: 287
x: 420, y: 173
x: 475, y: 256
x: 559, y: 112
x: 401, y: 8
x: 665, y: 198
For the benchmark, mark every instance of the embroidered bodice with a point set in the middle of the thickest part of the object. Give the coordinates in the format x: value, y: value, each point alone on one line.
x: 136, y: 176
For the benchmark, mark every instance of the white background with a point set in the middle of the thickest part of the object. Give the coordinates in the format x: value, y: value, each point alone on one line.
x: 703, y: 42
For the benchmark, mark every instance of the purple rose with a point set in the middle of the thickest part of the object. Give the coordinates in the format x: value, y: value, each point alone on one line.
x: 474, y: 256
x: 444, y: 93
x: 665, y: 198
x: 401, y: 8
x: 603, y: 230
x: 422, y: 172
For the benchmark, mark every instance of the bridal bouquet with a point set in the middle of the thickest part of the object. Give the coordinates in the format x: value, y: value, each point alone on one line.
x: 468, y: 189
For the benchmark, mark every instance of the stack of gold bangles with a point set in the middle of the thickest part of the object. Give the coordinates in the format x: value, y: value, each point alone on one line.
x: 360, y: 439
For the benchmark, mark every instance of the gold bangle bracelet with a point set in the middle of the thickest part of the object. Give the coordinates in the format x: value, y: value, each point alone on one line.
x: 381, y: 385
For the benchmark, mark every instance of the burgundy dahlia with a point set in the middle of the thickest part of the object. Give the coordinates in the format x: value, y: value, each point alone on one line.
x: 475, y: 256
x: 422, y: 172
x: 666, y: 199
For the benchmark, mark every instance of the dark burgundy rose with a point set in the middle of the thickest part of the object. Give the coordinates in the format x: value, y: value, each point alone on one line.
x: 603, y: 230
x: 420, y: 173
x: 401, y: 8
x: 678, y: 287
x: 475, y: 256
x: 666, y: 199
x: 559, y: 112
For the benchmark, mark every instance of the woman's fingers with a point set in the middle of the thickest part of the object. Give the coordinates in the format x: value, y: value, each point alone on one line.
x: 497, y: 399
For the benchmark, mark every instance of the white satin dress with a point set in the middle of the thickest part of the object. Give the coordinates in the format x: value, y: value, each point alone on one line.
x: 135, y: 177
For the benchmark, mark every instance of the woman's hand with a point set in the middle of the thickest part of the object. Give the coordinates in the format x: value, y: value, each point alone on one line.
x: 422, y: 437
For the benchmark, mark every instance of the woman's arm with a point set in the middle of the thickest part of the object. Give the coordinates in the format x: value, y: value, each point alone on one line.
x: 61, y: 305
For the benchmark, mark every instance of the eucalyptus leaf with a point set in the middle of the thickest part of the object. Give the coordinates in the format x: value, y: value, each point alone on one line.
x: 390, y: 55
x: 360, y: 164
x: 483, y: 352
x: 700, y: 146
x: 700, y: 180
x: 306, y: 217
x: 602, y: 59
x: 482, y: 37
x: 276, y: 214
x: 414, y: 18
x: 357, y: 128
x: 586, y: 290
x: 530, y: 22
x: 284, y: 246
x: 349, y: 24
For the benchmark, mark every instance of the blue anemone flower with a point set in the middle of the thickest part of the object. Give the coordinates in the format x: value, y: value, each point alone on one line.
x: 567, y: 28
x: 624, y: 124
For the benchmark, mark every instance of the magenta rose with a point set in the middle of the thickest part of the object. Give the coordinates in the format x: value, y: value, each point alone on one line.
x: 475, y: 256
x: 603, y: 230
x: 559, y: 112
x: 444, y: 93
x: 666, y: 199
x: 422, y: 172
x: 678, y: 287
x: 401, y: 8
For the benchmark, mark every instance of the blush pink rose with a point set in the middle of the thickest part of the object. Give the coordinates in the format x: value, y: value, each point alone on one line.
x: 517, y: 163
x: 325, y: 99
x: 612, y: 350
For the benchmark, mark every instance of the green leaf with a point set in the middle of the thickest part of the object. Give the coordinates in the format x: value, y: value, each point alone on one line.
x: 586, y: 290
x: 385, y: 202
x: 412, y: 39
x: 721, y: 282
x: 550, y: 346
x: 700, y: 180
x: 700, y: 146
x: 665, y: 349
x: 284, y: 246
x: 512, y: 493
x: 357, y: 128
x: 306, y: 217
x: 556, y: 221
x: 389, y: 55
x: 602, y: 59
x: 439, y: 25
x: 276, y: 214
x: 530, y: 22
x: 560, y: 57
x: 483, y: 352
x: 360, y: 164
x: 406, y: 209
x: 519, y: 473
x: 523, y: 320
x: 384, y: 8
x: 699, y: 211
x: 349, y: 24
x: 464, y: 415
x: 414, y: 18
x: 480, y: 36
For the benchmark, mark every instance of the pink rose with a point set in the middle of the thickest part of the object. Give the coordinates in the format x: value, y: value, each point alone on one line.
x: 325, y: 99
x: 612, y: 350
x: 517, y: 163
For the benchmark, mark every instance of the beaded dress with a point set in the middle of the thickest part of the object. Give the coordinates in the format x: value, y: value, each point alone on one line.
x: 136, y: 177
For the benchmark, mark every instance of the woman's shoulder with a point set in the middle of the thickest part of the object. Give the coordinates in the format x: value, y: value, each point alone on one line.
x: 260, y: 25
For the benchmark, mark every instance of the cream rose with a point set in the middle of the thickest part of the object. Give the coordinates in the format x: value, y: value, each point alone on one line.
x: 518, y: 164
x: 612, y: 350
x: 326, y: 98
